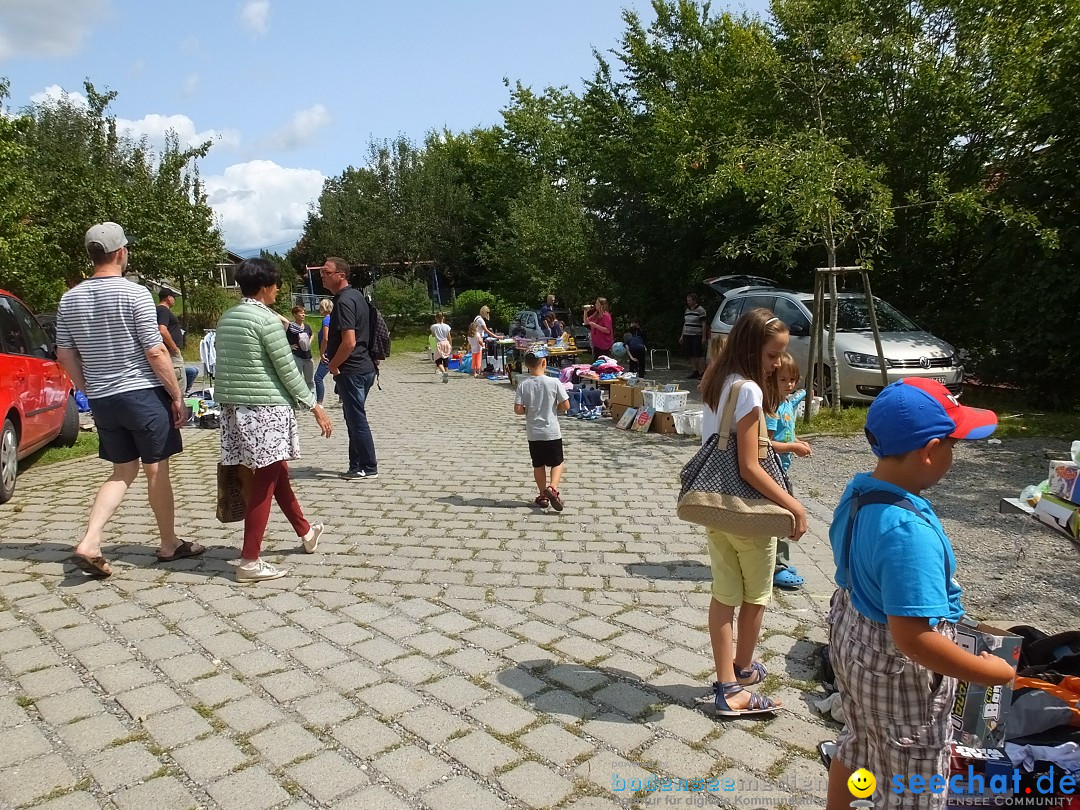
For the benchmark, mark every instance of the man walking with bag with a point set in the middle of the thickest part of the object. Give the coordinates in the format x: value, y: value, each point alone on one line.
x: 351, y: 363
x: 108, y: 341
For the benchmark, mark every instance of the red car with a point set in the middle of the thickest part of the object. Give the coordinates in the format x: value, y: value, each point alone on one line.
x: 37, y: 399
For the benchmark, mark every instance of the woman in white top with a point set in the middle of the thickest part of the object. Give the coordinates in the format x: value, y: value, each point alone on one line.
x: 443, y: 346
x: 482, y: 331
x: 742, y: 567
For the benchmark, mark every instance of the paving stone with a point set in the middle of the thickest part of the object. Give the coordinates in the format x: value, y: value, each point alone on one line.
x: 748, y: 750
x: 325, y: 709
x: 805, y: 776
x: 575, y: 677
x: 319, y: 656
x: 176, y: 726
x: 19, y: 638
x: 462, y: 792
x: 617, y: 732
x: 259, y: 662
x: 433, y: 643
x: 69, y: 706
x: 412, y: 768
x: 791, y: 730
x: 71, y: 801
x: 148, y: 700
x: 121, y: 766
x: 103, y: 655
x: 185, y: 668
x: 516, y: 682
x: 416, y: 669
x: 21, y: 743
x: 165, y: 793
x: 752, y: 791
x: 677, y: 759
x: 455, y: 691
x: 208, y: 759
x: 375, y: 798
x: 93, y: 734
x: 30, y: 659
x: 481, y: 753
x: 627, y: 699
x: 285, y: 743
x: 350, y: 676
x: 249, y: 789
x: 432, y: 724
x: 48, y: 681
x: 473, y: 662
x: 286, y: 686
x: 608, y: 771
x: 161, y: 647
x: 122, y: 677
x: 284, y: 639
x: 389, y: 699
x: 365, y: 737
x: 502, y: 716
x: 249, y: 714
x: 536, y: 785
x: 563, y: 706
x: 34, y: 778
x: 556, y: 744
x: 684, y: 723
x: 328, y: 777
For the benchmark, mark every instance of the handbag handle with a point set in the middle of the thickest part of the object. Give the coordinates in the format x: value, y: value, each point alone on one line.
x: 729, y: 413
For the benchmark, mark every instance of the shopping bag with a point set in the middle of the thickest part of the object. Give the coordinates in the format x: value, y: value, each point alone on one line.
x: 233, y: 488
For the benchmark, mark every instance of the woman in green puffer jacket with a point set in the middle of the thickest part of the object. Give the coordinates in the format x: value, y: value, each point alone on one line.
x: 258, y: 385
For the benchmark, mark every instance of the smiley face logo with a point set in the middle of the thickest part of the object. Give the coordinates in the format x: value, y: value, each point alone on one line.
x: 861, y: 783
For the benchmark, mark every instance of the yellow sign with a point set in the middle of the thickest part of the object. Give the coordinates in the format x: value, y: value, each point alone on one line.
x: 861, y: 783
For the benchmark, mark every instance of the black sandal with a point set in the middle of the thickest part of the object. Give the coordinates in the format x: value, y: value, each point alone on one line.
x: 183, y: 551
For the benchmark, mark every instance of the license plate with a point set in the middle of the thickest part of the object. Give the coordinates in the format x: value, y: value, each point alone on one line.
x: 941, y: 380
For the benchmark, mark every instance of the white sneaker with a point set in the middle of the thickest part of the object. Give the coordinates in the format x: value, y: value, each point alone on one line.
x: 311, y: 542
x: 258, y: 571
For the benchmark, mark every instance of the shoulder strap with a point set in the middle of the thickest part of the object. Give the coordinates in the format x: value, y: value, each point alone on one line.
x: 874, y: 496
x: 724, y: 432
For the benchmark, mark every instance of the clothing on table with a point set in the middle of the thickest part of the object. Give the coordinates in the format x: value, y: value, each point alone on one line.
x: 111, y: 322
x: 750, y: 397
x: 258, y: 435
x: 694, y: 321
x: 351, y: 311
x: 540, y: 397
x: 599, y: 340
x: 782, y: 425
x: 167, y: 318
x: 901, y: 564
x: 299, y: 336
x: 208, y: 351
x: 897, y: 711
x: 353, y: 390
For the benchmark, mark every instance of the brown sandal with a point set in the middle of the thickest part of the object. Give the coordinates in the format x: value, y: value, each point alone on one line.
x: 95, y: 566
x: 183, y: 551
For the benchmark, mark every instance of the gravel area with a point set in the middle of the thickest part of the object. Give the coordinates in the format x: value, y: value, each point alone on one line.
x: 1012, y: 569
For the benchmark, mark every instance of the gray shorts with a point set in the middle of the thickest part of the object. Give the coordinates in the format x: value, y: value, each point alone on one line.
x: 897, y: 711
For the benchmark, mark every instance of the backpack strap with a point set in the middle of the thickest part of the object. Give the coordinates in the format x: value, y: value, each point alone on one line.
x: 858, y: 501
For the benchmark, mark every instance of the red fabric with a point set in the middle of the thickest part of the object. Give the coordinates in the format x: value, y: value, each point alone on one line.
x: 270, y: 482
x: 476, y: 358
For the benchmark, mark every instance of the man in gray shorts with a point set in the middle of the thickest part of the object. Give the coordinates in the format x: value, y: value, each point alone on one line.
x: 108, y: 341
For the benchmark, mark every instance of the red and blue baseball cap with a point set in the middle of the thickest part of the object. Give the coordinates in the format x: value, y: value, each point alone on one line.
x: 907, y: 414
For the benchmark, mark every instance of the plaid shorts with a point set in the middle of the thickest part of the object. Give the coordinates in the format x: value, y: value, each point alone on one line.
x: 897, y: 711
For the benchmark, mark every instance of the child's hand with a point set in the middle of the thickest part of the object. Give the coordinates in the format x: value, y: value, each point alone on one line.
x: 801, y: 449
x: 800, y: 525
x: 997, y: 670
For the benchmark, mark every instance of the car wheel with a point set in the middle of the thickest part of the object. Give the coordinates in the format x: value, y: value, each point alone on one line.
x: 9, y: 461
x: 827, y: 395
x: 69, y: 431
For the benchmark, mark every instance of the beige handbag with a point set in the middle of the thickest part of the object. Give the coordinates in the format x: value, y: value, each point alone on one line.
x: 714, y: 493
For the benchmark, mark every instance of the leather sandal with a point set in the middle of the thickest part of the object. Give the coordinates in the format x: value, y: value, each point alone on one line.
x: 95, y: 566
x: 753, y: 674
x: 758, y: 705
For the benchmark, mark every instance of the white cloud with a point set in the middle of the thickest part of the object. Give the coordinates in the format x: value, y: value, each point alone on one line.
x: 261, y: 204
x: 153, y: 126
x: 301, y: 129
x: 46, y: 27
x: 254, y: 14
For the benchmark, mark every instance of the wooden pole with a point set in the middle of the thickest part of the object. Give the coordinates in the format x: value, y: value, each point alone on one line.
x: 874, y: 326
x: 834, y: 400
x: 813, y: 372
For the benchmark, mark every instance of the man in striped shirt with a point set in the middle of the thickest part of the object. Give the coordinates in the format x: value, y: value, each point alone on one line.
x: 108, y: 341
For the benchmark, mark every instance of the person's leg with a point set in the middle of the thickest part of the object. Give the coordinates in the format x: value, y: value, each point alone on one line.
x: 721, y: 618
x: 320, y: 386
x: 108, y: 498
x: 287, y: 501
x: 257, y: 515
x: 307, y: 368
x: 839, y: 797
x: 783, y: 554
x: 160, y: 494
x: 540, y: 477
x: 750, y: 616
x: 756, y: 558
x: 556, y: 475
x: 361, y: 442
x: 726, y: 593
x: 191, y: 373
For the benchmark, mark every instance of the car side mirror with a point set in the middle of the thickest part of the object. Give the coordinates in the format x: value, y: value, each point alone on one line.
x: 799, y: 330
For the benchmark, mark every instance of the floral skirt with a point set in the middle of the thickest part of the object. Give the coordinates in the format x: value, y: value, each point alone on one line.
x: 258, y: 435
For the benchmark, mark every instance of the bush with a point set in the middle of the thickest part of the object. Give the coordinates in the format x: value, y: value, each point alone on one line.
x: 402, y: 303
x: 467, y: 306
x: 206, y: 303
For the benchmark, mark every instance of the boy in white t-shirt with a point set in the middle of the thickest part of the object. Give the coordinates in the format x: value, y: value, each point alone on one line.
x: 539, y: 398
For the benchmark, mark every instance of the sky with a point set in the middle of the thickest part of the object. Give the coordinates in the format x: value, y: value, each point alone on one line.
x: 292, y: 91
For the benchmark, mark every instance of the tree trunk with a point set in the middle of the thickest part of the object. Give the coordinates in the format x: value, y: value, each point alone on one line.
x: 833, y: 364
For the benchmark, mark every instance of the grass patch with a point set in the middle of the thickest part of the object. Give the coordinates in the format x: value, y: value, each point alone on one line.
x: 85, y: 445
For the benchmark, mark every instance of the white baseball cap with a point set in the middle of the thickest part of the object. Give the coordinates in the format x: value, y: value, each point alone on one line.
x: 107, y: 235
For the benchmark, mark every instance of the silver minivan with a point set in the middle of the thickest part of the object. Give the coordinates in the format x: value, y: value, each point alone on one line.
x: 909, y: 350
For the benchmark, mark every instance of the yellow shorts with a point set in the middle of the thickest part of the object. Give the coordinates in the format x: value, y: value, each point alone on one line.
x: 742, y: 568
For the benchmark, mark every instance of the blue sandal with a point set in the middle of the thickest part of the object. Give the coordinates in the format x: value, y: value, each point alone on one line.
x: 788, y: 578
x: 753, y: 674
x: 759, y: 704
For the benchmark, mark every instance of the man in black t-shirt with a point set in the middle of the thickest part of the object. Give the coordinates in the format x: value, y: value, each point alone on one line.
x: 171, y: 333
x: 351, y: 364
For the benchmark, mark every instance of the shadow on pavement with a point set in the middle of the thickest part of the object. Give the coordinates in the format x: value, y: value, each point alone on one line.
x: 687, y: 570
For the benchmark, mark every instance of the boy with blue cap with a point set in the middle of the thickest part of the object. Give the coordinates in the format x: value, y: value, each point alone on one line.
x: 893, y: 616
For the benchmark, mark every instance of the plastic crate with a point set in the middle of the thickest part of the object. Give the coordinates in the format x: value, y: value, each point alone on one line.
x: 666, y: 401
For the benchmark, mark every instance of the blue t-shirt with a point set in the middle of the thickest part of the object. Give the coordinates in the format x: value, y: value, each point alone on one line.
x: 325, y: 325
x: 901, y: 564
x: 782, y: 426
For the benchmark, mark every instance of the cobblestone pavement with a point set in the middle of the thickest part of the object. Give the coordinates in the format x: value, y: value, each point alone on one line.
x: 448, y: 646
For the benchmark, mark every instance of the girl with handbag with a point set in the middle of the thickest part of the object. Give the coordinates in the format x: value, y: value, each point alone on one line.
x: 742, y: 563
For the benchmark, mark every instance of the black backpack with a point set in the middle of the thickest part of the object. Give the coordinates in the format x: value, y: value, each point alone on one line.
x: 378, y: 336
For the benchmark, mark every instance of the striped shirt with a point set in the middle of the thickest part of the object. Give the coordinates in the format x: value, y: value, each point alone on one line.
x: 110, y: 322
x: 694, y: 321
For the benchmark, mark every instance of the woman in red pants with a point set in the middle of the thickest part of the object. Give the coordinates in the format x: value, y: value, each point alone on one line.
x: 258, y: 387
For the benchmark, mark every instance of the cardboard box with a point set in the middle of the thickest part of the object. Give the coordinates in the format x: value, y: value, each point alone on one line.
x: 1059, y: 514
x: 616, y: 410
x: 663, y: 423
x: 1064, y: 480
x: 979, y: 713
x: 629, y: 396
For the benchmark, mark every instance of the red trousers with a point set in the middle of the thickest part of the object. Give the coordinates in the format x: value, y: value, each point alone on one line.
x: 270, y: 482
